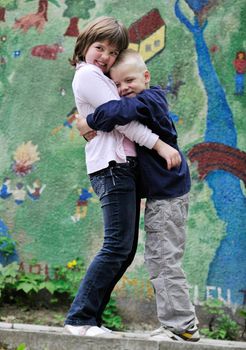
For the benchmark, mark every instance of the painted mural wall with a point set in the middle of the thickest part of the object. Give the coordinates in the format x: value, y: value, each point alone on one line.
x: 194, y: 49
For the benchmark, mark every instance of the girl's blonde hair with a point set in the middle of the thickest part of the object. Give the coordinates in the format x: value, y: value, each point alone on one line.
x: 100, y: 29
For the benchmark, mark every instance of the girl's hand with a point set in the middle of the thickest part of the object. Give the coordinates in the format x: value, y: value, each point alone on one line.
x: 85, y: 130
x: 90, y: 135
x: 170, y: 154
x: 82, y: 126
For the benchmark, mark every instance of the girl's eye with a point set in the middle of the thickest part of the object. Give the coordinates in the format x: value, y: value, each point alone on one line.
x: 114, y: 53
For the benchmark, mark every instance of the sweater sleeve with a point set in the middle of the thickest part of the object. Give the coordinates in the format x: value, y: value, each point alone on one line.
x: 138, y: 133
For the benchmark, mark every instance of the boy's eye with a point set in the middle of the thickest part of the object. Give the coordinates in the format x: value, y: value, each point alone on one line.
x: 129, y: 80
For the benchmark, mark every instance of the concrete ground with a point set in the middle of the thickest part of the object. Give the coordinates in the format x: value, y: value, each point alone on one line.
x: 56, y: 338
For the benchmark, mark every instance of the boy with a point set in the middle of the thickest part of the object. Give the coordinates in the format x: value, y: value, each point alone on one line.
x: 166, y: 192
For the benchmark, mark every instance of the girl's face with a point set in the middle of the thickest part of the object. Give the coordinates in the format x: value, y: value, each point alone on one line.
x: 102, y: 55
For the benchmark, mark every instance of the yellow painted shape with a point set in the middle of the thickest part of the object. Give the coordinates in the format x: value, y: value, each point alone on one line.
x: 159, y: 35
x: 134, y: 46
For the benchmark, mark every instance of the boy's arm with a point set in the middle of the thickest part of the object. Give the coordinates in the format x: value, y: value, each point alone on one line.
x: 117, y: 112
x: 123, y: 111
x: 170, y: 154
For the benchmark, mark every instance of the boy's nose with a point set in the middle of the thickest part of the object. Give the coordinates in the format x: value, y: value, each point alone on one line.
x: 123, y: 89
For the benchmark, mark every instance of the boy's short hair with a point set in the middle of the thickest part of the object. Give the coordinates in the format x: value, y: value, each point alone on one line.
x: 100, y: 29
x: 130, y: 54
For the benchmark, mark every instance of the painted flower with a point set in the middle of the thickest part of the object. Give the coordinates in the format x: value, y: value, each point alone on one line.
x: 71, y: 264
x: 24, y: 158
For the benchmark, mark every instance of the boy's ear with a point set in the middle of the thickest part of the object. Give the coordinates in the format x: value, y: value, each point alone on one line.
x: 147, y: 76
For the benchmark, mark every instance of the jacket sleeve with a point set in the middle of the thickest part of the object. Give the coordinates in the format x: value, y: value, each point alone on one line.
x: 122, y: 112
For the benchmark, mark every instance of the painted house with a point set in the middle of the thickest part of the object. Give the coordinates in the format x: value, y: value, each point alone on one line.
x: 147, y: 34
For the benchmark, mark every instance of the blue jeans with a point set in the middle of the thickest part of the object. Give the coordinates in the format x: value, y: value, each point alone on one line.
x: 116, y: 189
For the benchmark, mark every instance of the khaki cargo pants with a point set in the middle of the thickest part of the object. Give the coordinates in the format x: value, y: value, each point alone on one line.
x: 165, y: 243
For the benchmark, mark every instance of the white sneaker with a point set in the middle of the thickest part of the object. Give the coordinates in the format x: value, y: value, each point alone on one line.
x: 161, y: 333
x: 157, y: 331
x: 76, y: 330
x: 191, y: 335
x: 107, y: 330
x: 94, y: 331
x: 90, y: 331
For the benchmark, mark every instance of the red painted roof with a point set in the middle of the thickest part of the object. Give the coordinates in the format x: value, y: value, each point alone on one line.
x: 145, y: 26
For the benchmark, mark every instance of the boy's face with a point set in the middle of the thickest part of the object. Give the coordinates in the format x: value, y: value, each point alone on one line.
x: 102, y: 55
x: 129, y: 79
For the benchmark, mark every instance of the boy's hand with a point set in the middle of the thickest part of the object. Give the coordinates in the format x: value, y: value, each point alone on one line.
x: 170, y: 154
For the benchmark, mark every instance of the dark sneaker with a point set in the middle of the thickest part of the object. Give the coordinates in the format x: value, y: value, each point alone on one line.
x: 191, y: 334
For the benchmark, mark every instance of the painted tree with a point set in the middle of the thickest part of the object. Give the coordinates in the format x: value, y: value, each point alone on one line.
x: 75, y: 10
x: 43, y: 6
x: 36, y: 19
x: 8, y: 5
x: 228, y: 268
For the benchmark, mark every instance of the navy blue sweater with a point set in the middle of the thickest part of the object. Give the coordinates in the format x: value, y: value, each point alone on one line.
x: 149, y: 108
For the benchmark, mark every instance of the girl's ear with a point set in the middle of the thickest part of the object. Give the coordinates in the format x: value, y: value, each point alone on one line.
x: 147, y: 76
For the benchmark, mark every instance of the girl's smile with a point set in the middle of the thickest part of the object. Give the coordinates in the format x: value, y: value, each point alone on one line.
x: 102, y: 54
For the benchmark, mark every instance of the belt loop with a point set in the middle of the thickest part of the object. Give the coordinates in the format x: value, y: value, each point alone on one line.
x: 112, y: 164
x: 112, y: 175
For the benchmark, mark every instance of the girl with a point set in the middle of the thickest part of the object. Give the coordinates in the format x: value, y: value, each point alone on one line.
x: 112, y: 168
